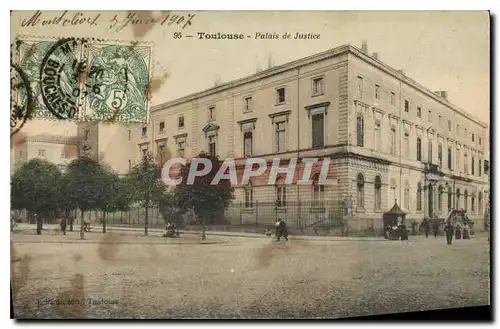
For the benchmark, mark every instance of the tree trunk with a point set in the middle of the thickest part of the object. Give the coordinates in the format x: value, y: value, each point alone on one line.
x: 39, y: 224
x: 203, y: 229
x: 104, y: 222
x: 146, y: 222
x: 70, y: 219
x: 81, y: 224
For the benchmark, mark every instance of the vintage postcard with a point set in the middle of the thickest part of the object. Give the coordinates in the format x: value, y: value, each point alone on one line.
x: 250, y: 164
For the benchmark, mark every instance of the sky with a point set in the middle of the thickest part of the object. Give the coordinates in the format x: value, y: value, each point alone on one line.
x: 440, y: 50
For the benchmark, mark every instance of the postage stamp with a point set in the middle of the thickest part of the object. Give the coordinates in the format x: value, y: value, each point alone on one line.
x: 86, y: 79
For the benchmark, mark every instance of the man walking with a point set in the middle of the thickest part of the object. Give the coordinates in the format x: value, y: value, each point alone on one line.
x: 448, y: 229
x: 281, y: 230
x: 63, y: 225
x: 426, y: 226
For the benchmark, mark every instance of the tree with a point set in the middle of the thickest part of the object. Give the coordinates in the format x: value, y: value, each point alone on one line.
x: 204, y: 199
x: 119, y: 198
x: 34, y: 188
x: 65, y: 202
x: 88, y: 186
x: 147, y: 190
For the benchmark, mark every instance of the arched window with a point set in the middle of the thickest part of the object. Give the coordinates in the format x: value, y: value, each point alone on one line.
x: 378, y: 192
x: 473, y: 203
x: 392, y: 193
x: 440, y: 198
x: 429, y: 151
x: 466, y: 196
x: 407, y: 196
x: 318, y: 189
x: 450, y: 195
x: 360, y: 196
x: 419, y: 197
x: 360, y: 131
x: 280, y: 193
x: 457, y: 199
x: 480, y: 203
x: 249, y: 195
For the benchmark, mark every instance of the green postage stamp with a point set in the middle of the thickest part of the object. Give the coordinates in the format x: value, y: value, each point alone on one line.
x: 85, y: 79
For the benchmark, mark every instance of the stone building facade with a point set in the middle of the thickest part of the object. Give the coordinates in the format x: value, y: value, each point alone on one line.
x: 387, y: 137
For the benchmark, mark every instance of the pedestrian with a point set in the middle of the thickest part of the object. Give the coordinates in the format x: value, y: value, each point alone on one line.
x: 448, y: 229
x: 281, y: 230
x: 403, y: 231
x: 426, y: 226
x: 63, y: 225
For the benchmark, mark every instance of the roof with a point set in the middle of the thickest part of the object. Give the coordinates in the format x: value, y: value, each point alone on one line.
x: 343, y: 49
x: 396, y: 209
x: 49, y: 138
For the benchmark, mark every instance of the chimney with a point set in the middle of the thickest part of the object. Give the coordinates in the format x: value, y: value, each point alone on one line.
x: 364, y: 46
x: 375, y: 55
x: 442, y: 93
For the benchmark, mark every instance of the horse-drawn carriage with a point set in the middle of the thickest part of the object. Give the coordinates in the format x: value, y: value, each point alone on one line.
x: 395, y: 227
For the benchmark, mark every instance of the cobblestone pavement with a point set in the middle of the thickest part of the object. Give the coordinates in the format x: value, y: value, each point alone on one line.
x: 242, y: 277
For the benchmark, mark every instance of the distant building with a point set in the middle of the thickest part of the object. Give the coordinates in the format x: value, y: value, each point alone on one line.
x: 387, y: 136
x: 60, y: 150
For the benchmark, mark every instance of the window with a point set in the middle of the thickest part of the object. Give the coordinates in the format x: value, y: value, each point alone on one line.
x: 211, y: 113
x: 473, y: 166
x: 486, y: 167
x: 376, y: 136
x: 248, y: 143
x: 393, y: 140
x: 360, y: 131
x: 472, y: 203
x: 144, y: 131
x: 440, y: 198
x: 360, y: 195
x: 419, y: 149
x: 419, y: 197
x: 280, y: 136
x: 180, y: 122
x: 429, y: 151
x: 479, y: 167
x: 377, y: 92
x: 449, y: 158
x: 480, y: 203
x: 162, y: 127
x: 480, y: 140
x: 180, y: 147
x: 41, y: 153
x: 466, y: 199
x: 161, y: 152
x: 466, y: 164
x: 419, y: 112
x: 211, y: 146
x: 406, y: 146
x: 360, y: 84
x: 318, y: 130
x: 450, y: 193
x: 144, y: 152
x: 318, y: 86
x: 457, y: 199
x: 473, y: 138
x: 129, y: 135
x: 280, y: 193
x: 378, y: 193
x: 429, y: 116
x: 449, y: 125
x: 248, y: 104
x: 440, y: 155
x: 318, y: 190
x: 407, y: 196
x: 249, y: 196
x: 393, y: 98
x: 87, y: 135
x: 407, y: 105
x: 280, y: 95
